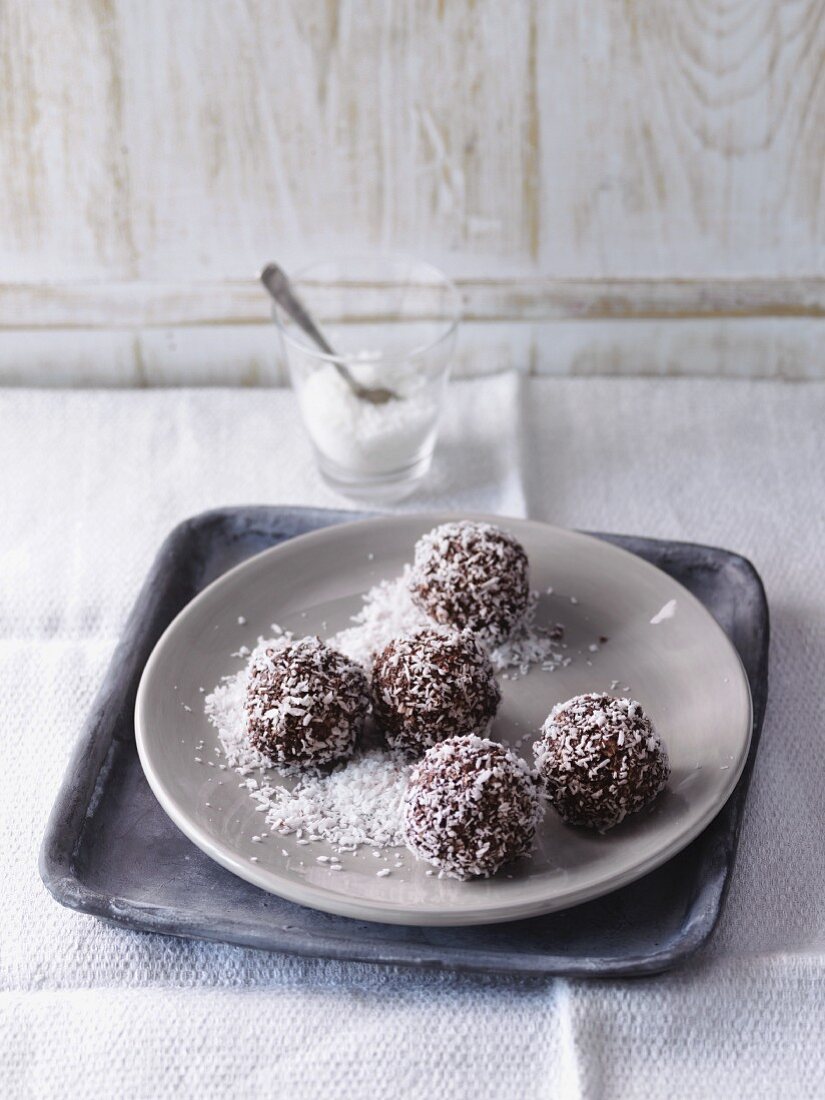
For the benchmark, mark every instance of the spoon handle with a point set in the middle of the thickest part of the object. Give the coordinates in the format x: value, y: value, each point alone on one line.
x: 279, y: 286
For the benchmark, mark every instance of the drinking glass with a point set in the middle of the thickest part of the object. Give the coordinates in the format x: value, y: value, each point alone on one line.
x: 392, y: 321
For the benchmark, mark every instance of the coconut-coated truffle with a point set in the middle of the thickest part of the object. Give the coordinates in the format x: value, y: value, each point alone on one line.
x: 599, y: 759
x: 471, y: 806
x: 305, y: 703
x: 472, y: 576
x: 431, y: 685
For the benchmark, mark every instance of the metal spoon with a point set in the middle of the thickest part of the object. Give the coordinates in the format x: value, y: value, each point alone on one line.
x: 279, y: 286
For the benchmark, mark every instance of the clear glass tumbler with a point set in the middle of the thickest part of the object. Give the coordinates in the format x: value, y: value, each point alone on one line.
x: 392, y: 322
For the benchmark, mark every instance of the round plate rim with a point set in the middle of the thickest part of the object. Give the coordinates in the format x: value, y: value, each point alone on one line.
x: 385, y: 912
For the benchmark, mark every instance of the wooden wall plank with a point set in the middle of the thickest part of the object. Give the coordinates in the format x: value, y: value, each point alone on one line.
x: 149, y: 140
x: 65, y: 207
x: 249, y: 355
x: 616, y: 159
x: 118, y: 305
x: 683, y: 138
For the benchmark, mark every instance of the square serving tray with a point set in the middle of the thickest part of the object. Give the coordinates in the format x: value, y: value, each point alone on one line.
x: 110, y: 850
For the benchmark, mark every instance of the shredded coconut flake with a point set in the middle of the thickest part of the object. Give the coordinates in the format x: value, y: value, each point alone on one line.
x: 357, y: 803
x: 389, y: 611
x: 664, y: 613
x: 358, y: 435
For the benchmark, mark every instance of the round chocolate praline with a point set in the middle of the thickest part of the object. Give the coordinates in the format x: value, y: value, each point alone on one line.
x: 472, y: 576
x: 305, y: 703
x: 431, y: 685
x: 471, y: 806
x: 599, y: 759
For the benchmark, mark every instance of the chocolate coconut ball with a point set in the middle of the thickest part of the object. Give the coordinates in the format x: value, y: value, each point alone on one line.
x: 471, y: 576
x: 305, y: 703
x: 470, y: 806
x: 432, y: 685
x: 600, y: 759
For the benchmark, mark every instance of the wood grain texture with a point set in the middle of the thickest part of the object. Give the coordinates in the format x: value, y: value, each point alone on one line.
x: 241, y: 301
x: 692, y: 139
x: 249, y: 354
x: 623, y: 158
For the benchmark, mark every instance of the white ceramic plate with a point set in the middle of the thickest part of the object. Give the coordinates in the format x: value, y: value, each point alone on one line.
x: 682, y: 669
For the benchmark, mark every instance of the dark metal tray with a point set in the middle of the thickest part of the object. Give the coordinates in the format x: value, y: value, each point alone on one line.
x: 110, y: 850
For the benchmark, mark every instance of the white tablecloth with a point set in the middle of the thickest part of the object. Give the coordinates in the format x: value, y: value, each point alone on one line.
x: 89, y: 485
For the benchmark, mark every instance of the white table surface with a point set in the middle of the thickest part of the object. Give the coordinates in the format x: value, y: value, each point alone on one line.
x: 90, y: 482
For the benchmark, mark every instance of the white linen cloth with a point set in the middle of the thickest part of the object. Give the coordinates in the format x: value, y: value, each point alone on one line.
x: 90, y: 483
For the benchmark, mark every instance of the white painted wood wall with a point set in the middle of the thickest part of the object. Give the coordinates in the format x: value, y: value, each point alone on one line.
x: 620, y: 186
